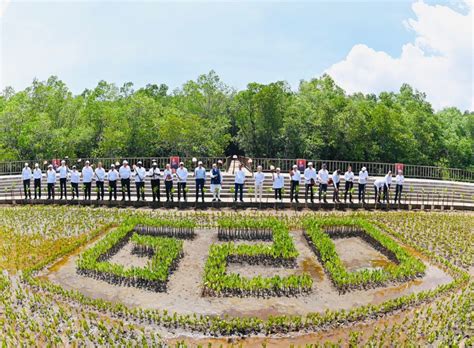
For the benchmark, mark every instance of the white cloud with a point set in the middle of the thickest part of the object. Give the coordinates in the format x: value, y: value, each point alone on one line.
x: 438, y: 62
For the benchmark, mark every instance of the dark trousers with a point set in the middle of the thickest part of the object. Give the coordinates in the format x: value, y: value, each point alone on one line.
x: 323, y: 188
x: 181, y: 186
x: 50, y: 191
x: 62, y: 187
x: 100, y: 189
x: 237, y: 188
x: 362, y: 192
x: 385, y: 193
x: 335, y: 193
x: 348, y: 190
x: 37, y: 183
x: 26, y: 188
x: 309, y: 187
x: 113, y: 189
x: 398, y: 193
x: 87, y: 190
x: 378, y: 193
x: 155, y: 189
x: 140, y: 186
x: 75, y: 190
x: 125, y: 187
x: 169, y: 190
x: 294, y: 185
x: 200, y: 186
x: 277, y: 193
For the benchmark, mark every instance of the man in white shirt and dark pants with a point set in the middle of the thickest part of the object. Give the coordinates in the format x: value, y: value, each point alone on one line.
x: 168, y: 178
x: 295, y: 177
x: 388, y: 183
x: 125, y: 172
x: 278, y: 184
x: 87, y: 175
x: 239, y: 183
x: 155, y: 175
x: 100, y: 178
x: 140, y: 174
x: 399, y: 180
x: 37, y: 175
x: 310, y: 178
x: 363, y: 178
x: 336, y: 181
x: 112, y: 177
x: 51, y: 181
x: 379, y: 187
x: 75, y: 179
x: 259, y: 178
x: 26, y: 176
x: 323, y: 178
x: 63, y: 171
x: 348, y: 183
x: 182, y: 175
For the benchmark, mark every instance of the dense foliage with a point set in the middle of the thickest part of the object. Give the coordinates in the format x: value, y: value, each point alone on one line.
x: 207, y: 118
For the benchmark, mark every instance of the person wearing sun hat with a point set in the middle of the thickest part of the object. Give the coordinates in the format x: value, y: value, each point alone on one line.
x: 63, y: 171
x: 140, y: 174
x: 26, y: 176
x: 155, y: 174
x: 310, y: 177
x: 112, y: 177
x: 75, y: 179
x: 125, y: 173
x: 182, y: 175
x: 51, y: 181
x: 363, y: 179
x: 99, y: 174
x: 37, y: 176
x: 295, y: 177
x: 399, y: 180
x: 200, y: 177
x: 87, y: 175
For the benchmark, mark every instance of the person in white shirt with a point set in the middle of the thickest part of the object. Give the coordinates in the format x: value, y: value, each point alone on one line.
x: 26, y: 176
x: 379, y: 187
x: 112, y: 177
x: 87, y: 175
x: 336, y: 180
x: 363, y: 178
x: 388, y: 183
x: 155, y: 175
x: 348, y: 184
x: 200, y: 177
x: 75, y: 179
x: 278, y: 183
x: 168, y: 177
x: 51, y: 181
x: 323, y: 179
x: 295, y: 177
x: 125, y: 173
x: 37, y: 175
x: 239, y: 183
x: 216, y: 182
x: 259, y: 178
x: 182, y: 175
x: 99, y: 175
x: 140, y: 174
x: 399, y: 180
x: 310, y: 178
x: 63, y: 171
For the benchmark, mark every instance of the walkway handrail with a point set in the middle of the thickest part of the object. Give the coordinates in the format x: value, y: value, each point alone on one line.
x: 374, y: 168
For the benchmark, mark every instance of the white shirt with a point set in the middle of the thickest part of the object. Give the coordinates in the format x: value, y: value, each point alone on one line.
x: 349, y: 176
x: 26, y: 173
x: 335, y: 178
x: 296, y: 175
x: 182, y: 174
x: 168, y: 175
x: 259, y: 178
x: 323, y: 176
x: 63, y: 171
x: 399, y: 179
x: 87, y: 174
x: 310, y: 173
x: 100, y: 174
x: 125, y: 172
x: 363, y: 177
x: 278, y: 181
x: 75, y: 176
x: 51, y: 176
x: 239, y: 176
x: 379, y: 183
x: 37, y: 174
x: 112, y: 174
x: 388, y: 179
x: 140, y: 174
x: 154, y: 173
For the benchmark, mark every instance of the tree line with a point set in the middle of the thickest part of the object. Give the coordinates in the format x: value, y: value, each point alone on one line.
x: 206, y: 117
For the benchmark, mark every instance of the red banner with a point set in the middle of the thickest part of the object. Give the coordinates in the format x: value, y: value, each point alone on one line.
x: 399, y: 166
x: 174, y: 161
x: 301, y: 163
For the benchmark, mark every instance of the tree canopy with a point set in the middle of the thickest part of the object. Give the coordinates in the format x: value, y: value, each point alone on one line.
x: 206, y: 117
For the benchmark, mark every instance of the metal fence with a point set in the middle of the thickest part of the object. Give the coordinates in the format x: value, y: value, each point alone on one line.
x: 374, y: 168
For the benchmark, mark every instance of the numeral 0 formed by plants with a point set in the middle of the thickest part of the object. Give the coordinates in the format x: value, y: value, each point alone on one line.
x: 281, y: 253
x: 151, y: 238
x: 318, y: 232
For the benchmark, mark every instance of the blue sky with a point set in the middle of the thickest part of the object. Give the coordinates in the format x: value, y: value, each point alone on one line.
x: 83, y: 42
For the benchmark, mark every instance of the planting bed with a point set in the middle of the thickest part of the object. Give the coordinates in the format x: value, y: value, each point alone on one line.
x: 58, y: 306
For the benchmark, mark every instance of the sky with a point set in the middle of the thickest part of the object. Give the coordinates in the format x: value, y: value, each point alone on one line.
x: 366, y: 46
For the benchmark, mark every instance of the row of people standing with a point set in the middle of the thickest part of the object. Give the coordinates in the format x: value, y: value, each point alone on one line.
x: 125, y: 174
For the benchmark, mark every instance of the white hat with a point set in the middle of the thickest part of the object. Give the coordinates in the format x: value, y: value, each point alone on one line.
x: 50, y: 166
x: 295, y: 166
x: 278, y: 169
x: 364, y: 169
x: 310, y: 163
x: 125, y: 162
x: 87, y: 162
x: 181, y: 163
x: 139, y: 163
x: 112, y: 165
x: 63, y: 161
x: 200, y: 163
x: 26, y: 164
x: 36, y: 165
